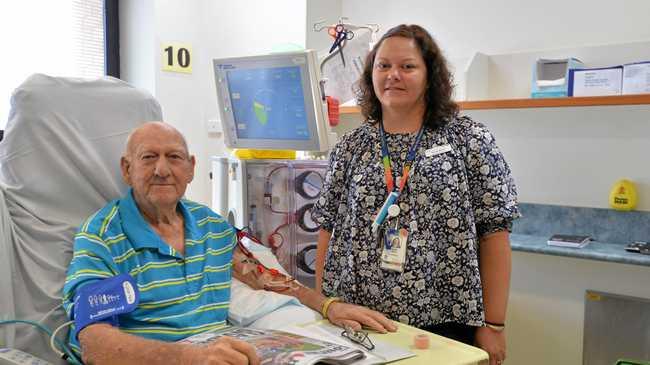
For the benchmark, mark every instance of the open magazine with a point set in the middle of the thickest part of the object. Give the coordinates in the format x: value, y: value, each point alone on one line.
x: 278, y: 347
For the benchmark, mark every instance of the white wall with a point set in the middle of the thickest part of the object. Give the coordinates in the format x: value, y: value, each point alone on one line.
x: 573, y: 156
x: 317, y: 11
x: 462, y: 27
x: 137, y: 47
x: 509, y: 26
x: 214, y: 29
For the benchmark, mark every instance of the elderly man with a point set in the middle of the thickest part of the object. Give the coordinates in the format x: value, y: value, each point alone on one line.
x: 181, y: 255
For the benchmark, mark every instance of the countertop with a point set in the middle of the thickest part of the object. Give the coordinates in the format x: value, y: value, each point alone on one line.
x: 595, y: 250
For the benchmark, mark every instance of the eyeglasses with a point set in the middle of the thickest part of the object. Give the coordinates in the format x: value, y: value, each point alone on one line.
x: 358, y: 337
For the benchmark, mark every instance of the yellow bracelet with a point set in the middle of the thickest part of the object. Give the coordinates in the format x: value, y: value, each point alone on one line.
x: 326, y: 305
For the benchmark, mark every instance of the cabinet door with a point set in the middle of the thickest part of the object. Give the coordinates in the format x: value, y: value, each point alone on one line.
x: 616, y: 327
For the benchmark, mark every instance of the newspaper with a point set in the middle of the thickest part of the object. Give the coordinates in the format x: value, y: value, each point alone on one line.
x: 279, y: 347
x: 383, y: 352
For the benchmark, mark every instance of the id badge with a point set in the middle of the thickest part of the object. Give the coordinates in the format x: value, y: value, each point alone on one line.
x: 393, y: 254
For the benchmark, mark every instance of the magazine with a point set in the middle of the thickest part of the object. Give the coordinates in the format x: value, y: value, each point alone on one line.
x: 383, y: 351
x: 279, y: 347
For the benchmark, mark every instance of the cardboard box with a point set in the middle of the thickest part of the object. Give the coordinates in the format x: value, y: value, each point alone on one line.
x: 596, y: 81
x: 550, y: 77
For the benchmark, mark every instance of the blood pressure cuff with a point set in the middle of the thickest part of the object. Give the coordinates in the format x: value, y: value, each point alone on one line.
x: 104, y: 300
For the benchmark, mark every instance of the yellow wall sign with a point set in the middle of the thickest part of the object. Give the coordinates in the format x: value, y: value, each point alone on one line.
x: 176, y: 57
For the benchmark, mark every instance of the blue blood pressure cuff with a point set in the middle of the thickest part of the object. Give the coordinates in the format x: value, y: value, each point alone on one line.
x: 104, y: 300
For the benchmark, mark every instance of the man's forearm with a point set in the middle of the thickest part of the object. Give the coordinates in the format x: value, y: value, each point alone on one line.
x: 246, y: 270
x: 104, y: 344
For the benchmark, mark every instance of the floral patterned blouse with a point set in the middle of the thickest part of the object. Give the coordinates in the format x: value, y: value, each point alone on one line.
x: 450, y: 200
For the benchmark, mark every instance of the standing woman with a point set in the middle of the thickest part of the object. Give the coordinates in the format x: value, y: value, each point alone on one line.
x: 437, y: 256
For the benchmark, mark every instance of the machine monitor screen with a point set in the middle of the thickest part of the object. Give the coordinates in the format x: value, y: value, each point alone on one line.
x: 272, y: 102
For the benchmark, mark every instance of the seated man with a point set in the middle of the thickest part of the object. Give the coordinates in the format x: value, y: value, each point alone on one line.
x: 181, y: 256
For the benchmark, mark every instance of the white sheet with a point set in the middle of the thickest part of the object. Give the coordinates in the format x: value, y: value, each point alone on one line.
x: 287, y: 316
x: 59, y: 162
x: 248, y: 305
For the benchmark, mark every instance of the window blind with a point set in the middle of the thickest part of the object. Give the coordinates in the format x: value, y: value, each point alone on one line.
x: 58, y: 38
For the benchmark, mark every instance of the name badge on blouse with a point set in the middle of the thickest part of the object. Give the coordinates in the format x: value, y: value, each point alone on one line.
x: 437, y: 150
x: 393, y: 254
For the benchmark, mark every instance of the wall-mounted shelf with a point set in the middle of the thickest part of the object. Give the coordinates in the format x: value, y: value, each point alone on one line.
x: 556, y: 102
x: 541, y: 103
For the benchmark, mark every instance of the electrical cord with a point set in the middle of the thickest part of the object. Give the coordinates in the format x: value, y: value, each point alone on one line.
x: 53, y: 339
x: 67, y: 354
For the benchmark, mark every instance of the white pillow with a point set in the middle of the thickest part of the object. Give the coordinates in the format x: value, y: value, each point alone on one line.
x: 247, y: 304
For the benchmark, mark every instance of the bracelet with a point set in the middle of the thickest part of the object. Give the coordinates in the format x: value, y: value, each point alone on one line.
x: 498, y: 327
x: 326, y: 305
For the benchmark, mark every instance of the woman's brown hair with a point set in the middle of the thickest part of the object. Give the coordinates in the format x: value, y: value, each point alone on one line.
x: 439, y: 106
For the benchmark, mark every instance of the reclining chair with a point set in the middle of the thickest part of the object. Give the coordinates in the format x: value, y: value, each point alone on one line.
x: 59, y: 163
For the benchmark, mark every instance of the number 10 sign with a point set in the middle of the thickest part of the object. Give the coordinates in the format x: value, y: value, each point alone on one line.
x: 176, y: 57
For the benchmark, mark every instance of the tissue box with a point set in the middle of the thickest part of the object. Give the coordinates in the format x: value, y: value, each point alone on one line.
x: 596, y: 81
x: 636, y: 78
x: 550, y: 77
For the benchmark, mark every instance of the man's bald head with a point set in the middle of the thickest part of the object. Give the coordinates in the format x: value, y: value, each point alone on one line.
x: 146, y: 130
x: 157, y: 165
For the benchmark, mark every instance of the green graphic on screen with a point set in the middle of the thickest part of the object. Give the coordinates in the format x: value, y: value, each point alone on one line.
x: 260, y: 113
x: 268, y: 103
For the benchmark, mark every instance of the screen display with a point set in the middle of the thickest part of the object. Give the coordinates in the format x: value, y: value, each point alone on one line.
x: 268, y: 103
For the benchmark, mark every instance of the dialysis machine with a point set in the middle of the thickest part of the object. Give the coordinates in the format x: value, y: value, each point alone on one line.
x: 272, y: 102
x: 273, y: 199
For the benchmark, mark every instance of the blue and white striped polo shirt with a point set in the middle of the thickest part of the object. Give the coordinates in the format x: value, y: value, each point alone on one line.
x: 179, y: 295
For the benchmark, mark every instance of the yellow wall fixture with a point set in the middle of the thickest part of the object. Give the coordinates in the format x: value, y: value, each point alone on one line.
x: 623, y: 195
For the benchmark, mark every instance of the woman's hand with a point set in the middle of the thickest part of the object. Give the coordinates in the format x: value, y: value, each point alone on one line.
x: 356, y: 316
x: 493, y: 342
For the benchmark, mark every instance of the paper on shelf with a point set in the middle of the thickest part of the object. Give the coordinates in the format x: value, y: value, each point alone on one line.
x: 636, y: 78
x: 596, y: 81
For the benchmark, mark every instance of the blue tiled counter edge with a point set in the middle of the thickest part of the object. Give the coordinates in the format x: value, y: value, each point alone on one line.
x: 600, y: 251
x: 611, y: 230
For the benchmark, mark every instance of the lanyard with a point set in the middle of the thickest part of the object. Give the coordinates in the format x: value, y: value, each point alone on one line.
x: 385, y: 158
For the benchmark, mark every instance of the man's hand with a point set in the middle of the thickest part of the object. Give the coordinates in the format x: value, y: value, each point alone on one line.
x: 355, y: 316
x: 226, y: 351
x: 493, y: 342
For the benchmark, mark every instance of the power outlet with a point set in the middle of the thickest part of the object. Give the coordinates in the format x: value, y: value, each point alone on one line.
x: 213, y: 126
